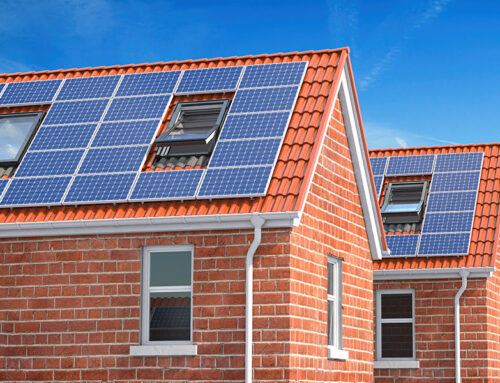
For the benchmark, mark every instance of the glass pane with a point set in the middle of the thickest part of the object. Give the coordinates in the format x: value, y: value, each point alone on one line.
x: 13, y: 133
x: 170, y: 316
x: 402, y: 207
x: 331, y: 323
x: 331, y: 278
x: 397, y: 340
x: 171, y: 268
x: 396, y: 306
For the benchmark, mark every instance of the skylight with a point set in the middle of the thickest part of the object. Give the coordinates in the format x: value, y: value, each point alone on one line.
x: 16, y: 131
x: 404, y: 202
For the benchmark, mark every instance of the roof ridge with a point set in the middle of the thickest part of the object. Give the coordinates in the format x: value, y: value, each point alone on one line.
x: 434, y: 147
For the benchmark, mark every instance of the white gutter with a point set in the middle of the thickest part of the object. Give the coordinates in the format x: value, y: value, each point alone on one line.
x: 464, y: 274
x: 394, y: 275
x: 258, y: 223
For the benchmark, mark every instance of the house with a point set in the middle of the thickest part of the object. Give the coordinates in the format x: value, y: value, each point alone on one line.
x: 210, y: 220
x: 437, y: 310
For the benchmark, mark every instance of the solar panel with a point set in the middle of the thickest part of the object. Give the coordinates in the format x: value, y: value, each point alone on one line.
x: 453, y: 201
x: 235, y: 181
x: 378, y: 165
x: 444, y: 244
x: 63, y: 137
x: 30, y: 92
x: 273, y: 74
x: 59, y: 162
x: 35, y: 191
x: 100, y: 188
x: 126, y: 133
x: 455, y: 181
x: 88, y: 87
x: 3, y: 182
x: 1, y: 88
x: 108, y: 160
x: 148, y: 83
x: 247, y: 152
x: 448, y: 222
x: 254, y: 125
x: 136, y: 108
x: 264, y: 100
x: 75, y: 112
x: 458, y: 162
x: 407, y: 165
x: 402, y: 245
x: 379, y: 180
x: 167, y: 184
x: 210, y: 79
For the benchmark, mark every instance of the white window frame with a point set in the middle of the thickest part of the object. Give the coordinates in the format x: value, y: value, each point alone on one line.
x: 335, y: 350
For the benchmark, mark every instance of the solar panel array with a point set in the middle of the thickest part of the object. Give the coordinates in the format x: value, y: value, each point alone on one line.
x: 94, y: 140
x: 449, y: 214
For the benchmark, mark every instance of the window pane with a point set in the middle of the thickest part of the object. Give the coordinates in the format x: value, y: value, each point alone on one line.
x: 13, y: 132
x: 170, y: 316
x: 396, y: 306
x: 397, y: 340
x: 331, y: 278
x: 171, y: 268
x: 331, y: 323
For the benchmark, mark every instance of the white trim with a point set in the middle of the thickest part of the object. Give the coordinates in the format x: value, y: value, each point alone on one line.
x: 475, y: 272
x: 396, y: 364
x: 336, y: 299
x: 334, y: 353
x: 164, y: 350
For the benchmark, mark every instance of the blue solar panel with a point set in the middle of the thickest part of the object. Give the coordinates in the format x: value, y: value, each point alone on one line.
x: 264, y: 100
x: 210, y: 79
x: 444, y: 244
x: 59, y: 162
x: 458, y: 162
x: 378, y: 165
x: 35, y: 191
x: 410, y: 165
x: 455, y: 181
x: 30, y: 92
x: 254, y: 125
x: 379, y: 180
x: 63, y: 137
x: 99, y: 188
x: 126, y: 133
x: 167, y: 184
x: 113, y: 160
x: 273, y: 75
x: 1, y: 87
x: 248, y: 152
x: 148, y: 83
x: 136, y: 108
x: 3, y: 182
x: 454, y: 201
x: 402, y: 245
x: 75, y: 112
x: 448, y: 222
x: 235, y: 181
x: 88, y: 87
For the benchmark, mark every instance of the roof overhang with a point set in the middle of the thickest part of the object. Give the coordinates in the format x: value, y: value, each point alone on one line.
x: 450, y: 273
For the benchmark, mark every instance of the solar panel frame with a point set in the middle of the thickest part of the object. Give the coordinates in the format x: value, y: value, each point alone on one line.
x: 2, y: 89
x: 451, y: 201
x: 152, y: 192
x: 260, y: 100
x: 4, y: 182
x: 49, y: 163
x: 73, y: 136
x: 113, y: 160
x: 444, y: 244
x: 100, y: 190
x: 448, y: 222
x: 135, y: 132
x: 76, y: 112
x: 410, y: 165
x: 379, y: 182
x: 459, y: 162
x: 378, y: 165
x: 33, y: 96
x: 270, y: 124
x: 275, y: 74
x: 45, y: 188
x: 457, y: 181
x: 189, y: 84
x: 402, y: 245
x: 151, y: 81
x: 85, y: 88
x: 239, y: 153
x: 137, y: 108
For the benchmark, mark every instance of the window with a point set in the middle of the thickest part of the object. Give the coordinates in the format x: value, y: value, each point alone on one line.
x: 335, y: 309
x: 166, y: 295
x: 404, y: 202
x: 193, y: 128
x: 16, y: 132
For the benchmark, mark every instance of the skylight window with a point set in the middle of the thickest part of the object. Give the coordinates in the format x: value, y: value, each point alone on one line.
x: 404, y: 202
x: 16, y: 131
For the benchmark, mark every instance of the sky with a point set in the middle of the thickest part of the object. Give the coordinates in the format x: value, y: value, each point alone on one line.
x: 426, y: 71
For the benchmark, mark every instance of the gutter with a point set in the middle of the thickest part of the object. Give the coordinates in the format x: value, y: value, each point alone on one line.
x: 464, y: 274
x: 445, y: 273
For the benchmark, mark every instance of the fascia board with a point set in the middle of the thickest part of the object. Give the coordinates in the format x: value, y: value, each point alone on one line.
x: 451, y: 273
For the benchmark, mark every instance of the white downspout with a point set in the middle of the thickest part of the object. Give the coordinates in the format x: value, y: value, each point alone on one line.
x: 464, y: 274
x: 257, y: 224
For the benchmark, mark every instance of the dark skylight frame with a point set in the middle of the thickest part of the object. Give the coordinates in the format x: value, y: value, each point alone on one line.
x: 404, y: 202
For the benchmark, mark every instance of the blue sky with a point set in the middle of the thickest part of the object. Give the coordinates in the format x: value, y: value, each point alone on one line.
x: 427, y: 71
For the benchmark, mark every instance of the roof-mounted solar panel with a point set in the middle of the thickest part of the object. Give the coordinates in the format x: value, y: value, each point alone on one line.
x: 452, y: 201
x: 60, y: 162
x: 408, y: 165
x: 448, y: 222
x: 379, y: 181
x: 35, y: 191
x: 245, y: 152
x: 63, y: 136
x: 126, y: 133
x: 108, y: 160
x: 464, y: 181
x: 173, y: 184
x: 266, y: 75
x: 378, y: 165
x: 100, y: 188
x: 88, y: 87
x: 264, y: 100
x: 444, y: 244
x: 457, y: 162
x: 3, y: 184
x: 402, y: 245
x: 137, y: 108
x: 240, y: 126
x: 75, y: 112
x: 30, y: 92
x: 148, y: 83
x: 209, y: 80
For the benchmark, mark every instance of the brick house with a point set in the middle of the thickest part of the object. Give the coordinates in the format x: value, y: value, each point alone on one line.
x: 441, y: 281
x: 209, y: 220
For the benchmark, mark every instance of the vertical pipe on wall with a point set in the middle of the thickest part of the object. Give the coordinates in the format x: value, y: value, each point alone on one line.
x: 464, y: 274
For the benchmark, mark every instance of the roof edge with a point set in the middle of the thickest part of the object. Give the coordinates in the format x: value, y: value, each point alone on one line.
x: 451, y: 273
x: 434, y: 147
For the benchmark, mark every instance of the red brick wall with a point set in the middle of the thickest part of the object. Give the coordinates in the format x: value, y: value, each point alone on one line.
x: 493, y: 322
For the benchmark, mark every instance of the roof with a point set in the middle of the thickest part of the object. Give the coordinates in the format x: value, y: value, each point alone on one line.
x: 482, y: 250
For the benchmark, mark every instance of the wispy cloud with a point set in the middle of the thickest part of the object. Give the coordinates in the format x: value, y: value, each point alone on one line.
x: 12, y: 66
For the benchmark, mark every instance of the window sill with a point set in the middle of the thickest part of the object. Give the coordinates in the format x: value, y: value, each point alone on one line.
x: 337, y: 354
x: 396, y: 364
x: 164, y: 350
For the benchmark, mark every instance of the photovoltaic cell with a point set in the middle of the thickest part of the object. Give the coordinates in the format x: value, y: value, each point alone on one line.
x: 113, y: 160
x: 88, y: 87
x: 402, y: 245
x: 273, y: 75
x: 448, y: 222
x: 30, y: 92
x: 148, y: 83
x: 136, y: 108
x: 378, y: 165
x: 454, y: 201
x: 101, y: 187
x: 408, y: 165
x: 167, y: 184
x: 75, y: 112
x: 210, y: 79
x: 235, y: 181
x: 444, y: 244
x: 254, y: 125
x: 63, y: 136
x: 3, y: 183
x: 264, y: 100
x: 35, y: 191
x: 248, y: 152
x: 455, y: 181
x: 61, y: 162
x: 458, y: 162
x: 126, y: 133
x: 379, y: 180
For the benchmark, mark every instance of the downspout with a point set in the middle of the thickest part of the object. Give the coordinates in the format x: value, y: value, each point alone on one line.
x: 257, y: 223
x: 464, y: 274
